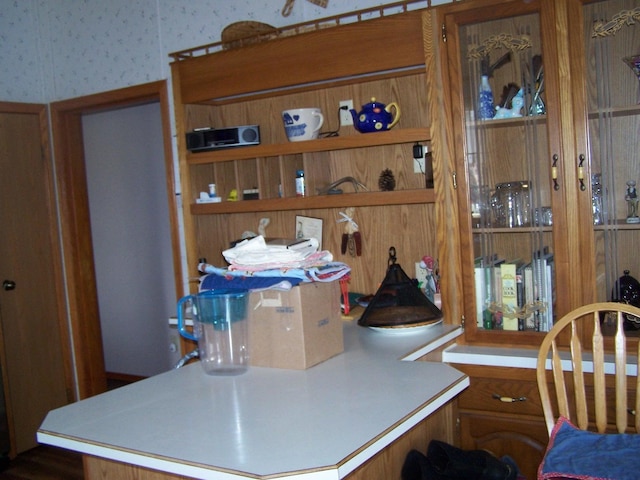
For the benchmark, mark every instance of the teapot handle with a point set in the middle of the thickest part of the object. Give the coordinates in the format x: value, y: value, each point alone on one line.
x: 396, y: 117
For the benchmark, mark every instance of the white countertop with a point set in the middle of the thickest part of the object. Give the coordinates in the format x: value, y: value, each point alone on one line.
x: 313, y: 424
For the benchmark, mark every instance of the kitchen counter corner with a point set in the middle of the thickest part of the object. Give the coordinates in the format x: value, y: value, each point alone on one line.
x: 319, y: 423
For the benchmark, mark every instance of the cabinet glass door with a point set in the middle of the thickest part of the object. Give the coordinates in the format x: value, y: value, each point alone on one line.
x: 511, y: 204
x: 611, y: 31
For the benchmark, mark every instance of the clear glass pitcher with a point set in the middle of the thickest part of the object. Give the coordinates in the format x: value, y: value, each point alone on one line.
x: 220, y: 328
x: 511, y: 204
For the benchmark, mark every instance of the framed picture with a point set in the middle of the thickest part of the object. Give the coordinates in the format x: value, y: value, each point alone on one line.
x: 309, y: 227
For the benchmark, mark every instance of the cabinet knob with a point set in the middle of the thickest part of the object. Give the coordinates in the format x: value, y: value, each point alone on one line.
x: 8, y: 285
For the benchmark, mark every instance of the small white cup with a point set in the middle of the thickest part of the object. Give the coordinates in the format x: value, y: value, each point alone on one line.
x: 302, y: 123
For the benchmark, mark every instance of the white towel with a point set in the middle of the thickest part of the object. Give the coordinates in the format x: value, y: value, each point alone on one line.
x: 256, y: 251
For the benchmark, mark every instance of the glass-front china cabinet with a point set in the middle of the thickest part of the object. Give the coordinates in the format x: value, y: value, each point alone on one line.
x: 540, y: 154
x: 512, y: 207
x: 545, y: 121
x: 611, y: 87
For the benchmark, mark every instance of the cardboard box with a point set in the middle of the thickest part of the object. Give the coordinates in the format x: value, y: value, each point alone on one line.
x: 295, y: 329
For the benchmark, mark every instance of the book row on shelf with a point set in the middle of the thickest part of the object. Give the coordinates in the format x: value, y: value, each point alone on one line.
x: 515, y: 295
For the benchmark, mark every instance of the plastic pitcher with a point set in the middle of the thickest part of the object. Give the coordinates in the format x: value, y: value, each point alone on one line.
x: 220, y: 328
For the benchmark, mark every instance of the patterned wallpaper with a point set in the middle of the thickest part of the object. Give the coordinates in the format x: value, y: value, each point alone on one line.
x: 59, y: 49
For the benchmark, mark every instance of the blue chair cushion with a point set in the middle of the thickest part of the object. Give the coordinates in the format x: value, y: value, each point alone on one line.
x: 577, y: 454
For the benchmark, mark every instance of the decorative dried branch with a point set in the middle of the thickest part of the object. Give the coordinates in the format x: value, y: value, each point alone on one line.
x: 502, y: 40
x: 624, y: 17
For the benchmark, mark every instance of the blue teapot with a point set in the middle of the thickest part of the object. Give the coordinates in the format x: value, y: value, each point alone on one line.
x: 376, y: 117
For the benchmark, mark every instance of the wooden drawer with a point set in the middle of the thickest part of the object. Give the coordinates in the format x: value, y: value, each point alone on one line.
x: 487, y: 383
x: 492, y: 389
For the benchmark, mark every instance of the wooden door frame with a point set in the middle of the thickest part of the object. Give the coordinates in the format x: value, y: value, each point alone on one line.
x: 82, y: 296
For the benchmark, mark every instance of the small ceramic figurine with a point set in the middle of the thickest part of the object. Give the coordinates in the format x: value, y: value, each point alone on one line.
x: 516, y: 106
x: 632, y: 202
x: 431, y: 287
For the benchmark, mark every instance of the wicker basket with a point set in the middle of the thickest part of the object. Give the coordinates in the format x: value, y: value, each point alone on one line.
x: 241, y: 34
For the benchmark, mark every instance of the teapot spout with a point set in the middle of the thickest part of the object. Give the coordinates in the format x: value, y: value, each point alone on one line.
x: 354, y: 115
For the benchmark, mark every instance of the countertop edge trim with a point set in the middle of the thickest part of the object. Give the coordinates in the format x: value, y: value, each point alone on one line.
x: 433, y: 345
x: 118, y: 455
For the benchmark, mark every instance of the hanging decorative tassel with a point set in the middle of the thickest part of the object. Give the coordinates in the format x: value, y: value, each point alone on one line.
x: 351, y: 239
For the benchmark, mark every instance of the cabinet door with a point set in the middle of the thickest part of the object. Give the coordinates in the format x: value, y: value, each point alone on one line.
x: 501, y: 412
x: 607, y: 95
x: 502, y: 67
x: 32, y: 352
x: 504, y: 435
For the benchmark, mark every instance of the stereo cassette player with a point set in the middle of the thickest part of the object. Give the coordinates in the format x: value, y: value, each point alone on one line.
x: 205, y: 139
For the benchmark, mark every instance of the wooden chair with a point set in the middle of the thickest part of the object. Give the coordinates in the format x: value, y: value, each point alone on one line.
x: 589, y: 360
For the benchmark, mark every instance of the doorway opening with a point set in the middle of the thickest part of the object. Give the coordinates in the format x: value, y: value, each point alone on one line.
x: 67, y: 118
x: 131, y: 239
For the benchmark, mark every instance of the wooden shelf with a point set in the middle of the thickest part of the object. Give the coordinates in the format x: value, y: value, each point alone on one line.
x: 617, y: 225
x: 511, y: 122
x: 363, y: 199
x: 615, y: 111
x: 527, y: 229
x: 391, y: 137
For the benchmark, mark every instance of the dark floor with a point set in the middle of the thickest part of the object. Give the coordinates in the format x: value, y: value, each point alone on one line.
x: 45, y: 463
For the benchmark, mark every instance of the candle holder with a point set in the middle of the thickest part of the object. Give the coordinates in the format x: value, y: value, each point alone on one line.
x: 634, y: 64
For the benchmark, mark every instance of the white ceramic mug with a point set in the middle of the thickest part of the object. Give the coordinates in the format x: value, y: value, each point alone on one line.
x: 302, y: 123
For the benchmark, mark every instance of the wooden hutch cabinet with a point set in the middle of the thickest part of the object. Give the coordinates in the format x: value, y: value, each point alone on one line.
x: 541, y: 191
x: 311, y: 66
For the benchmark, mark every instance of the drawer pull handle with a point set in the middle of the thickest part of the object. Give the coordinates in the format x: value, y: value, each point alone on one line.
x: 509, y: 399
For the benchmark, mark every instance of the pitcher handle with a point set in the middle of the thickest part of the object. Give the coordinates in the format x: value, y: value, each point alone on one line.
x: 181, y: 309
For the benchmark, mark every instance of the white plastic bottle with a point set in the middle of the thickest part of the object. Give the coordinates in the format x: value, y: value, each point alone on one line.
x: 301, y: 188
